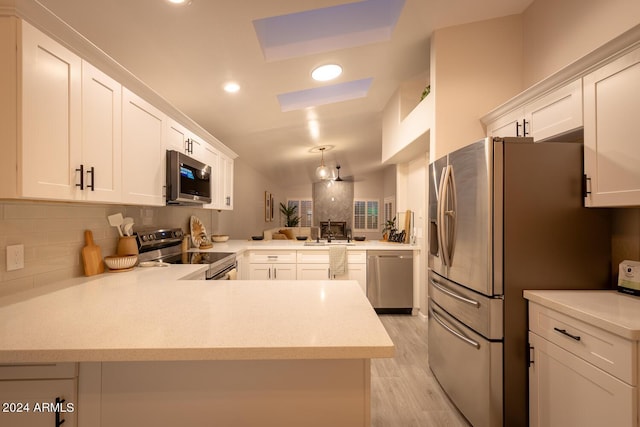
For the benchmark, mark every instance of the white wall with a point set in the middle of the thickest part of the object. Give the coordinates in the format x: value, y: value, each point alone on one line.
x: 414, y: 179
x: 556, y: 33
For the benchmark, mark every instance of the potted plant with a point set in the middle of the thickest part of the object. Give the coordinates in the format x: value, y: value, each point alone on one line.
x: 389, y: 226
x: 292, y: 220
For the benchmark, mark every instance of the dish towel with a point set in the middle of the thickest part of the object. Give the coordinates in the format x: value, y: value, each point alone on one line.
x: 338, y: 259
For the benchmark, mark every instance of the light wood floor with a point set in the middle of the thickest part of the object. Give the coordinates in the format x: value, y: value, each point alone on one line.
x: 404, y: 392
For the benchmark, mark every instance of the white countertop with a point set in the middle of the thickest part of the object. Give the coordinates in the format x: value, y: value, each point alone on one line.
x: 610, y: 310
x: 148, y: 314
x: 240, y: 246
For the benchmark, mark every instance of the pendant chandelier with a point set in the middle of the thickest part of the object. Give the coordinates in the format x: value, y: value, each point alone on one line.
x: 322, y: 171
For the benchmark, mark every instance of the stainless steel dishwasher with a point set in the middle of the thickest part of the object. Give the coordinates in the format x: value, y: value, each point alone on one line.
x: 390, y: 281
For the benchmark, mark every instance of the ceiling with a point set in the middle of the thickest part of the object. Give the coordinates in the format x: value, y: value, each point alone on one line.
x: 187, y: 53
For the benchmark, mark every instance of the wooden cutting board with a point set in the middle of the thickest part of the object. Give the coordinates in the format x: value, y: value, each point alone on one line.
x: 407, y: 226
x: 91, y: 256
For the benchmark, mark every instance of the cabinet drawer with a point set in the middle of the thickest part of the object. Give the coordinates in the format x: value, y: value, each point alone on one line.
x: 30, y: 371
x: 272, y: 257
x: 607, y: 351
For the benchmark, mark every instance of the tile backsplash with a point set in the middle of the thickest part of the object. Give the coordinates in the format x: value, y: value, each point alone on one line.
x: 53, y: 236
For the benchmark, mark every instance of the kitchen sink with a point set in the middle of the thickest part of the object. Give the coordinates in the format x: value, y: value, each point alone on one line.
x: 325, y: 243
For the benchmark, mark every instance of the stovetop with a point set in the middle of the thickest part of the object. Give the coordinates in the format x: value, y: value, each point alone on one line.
x: 165, y: 244
x: 196, y: 257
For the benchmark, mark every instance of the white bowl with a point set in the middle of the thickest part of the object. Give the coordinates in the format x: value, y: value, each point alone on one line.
x: 219, y: 238
x: 120, y: 262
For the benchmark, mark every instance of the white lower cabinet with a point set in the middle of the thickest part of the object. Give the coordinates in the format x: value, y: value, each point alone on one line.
x: 579, y: 375
x: 272, y: 272
x: 314, y: 265
x: 272, y: 265
x: 38, y: 395
x: 314, y: 272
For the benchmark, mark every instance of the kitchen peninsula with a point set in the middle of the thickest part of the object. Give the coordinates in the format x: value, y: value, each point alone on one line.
x: 156, y: 350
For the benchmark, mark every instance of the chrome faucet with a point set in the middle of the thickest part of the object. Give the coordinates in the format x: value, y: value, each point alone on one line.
x: 329, y: 233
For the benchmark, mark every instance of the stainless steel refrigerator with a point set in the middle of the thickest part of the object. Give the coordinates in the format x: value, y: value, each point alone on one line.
x: 504, y: 215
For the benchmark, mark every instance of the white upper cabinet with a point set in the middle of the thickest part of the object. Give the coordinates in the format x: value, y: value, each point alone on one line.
x: 143, y: 156
x: 179, y: 138
x: 225, y: 180
x: 73, y: 133
x: 508, y: 125
x: 553, y: 114
x: 211, y: 157
x: 611, y: 149
x: 101, y: 135
x: 51, y: 118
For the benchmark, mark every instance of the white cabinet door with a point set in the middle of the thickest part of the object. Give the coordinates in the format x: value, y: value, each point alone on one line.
x: 564, y: 390
x: 179, y: 138
x: 38, y: 392
x: 284, y: 272
x: 508, y: 125
x: 555, y: 113
x: 226, y: 182
x: 143, y: 156
x: 101, y: 135
x: 51, y: 118
x: 611, y: 149
x: 356, y: 272
x: 313, y: 272
x: 259, y: 271
x: 211, y: 157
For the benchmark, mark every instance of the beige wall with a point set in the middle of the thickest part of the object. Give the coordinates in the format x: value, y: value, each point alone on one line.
x: 556, y: 33
x: 53, y: 236
x: 247, y: 217
x: 474, y: 68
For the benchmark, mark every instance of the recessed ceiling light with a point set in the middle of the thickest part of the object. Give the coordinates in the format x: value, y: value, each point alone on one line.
x: 231, y: 87
x: 326, y: 72
x: 185, y: 2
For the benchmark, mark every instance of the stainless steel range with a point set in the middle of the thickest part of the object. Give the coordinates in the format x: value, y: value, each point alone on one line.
x: 165, y: 245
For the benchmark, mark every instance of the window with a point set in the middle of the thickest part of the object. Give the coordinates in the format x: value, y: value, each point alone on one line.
x: 389, y: 212
x: 304, y: 211
x: 365, y: 215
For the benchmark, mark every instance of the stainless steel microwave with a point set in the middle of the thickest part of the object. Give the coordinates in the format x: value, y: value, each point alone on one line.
x: 188, y: 180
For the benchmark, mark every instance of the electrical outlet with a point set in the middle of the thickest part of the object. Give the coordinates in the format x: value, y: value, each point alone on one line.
x: 15, y: 257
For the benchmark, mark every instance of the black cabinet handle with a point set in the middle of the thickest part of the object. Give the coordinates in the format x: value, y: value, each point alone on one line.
x: 92, y: 171
x: 524, y: 128
x: 564, y: 332
x: 59, y: 403
x: 518, y: 128
x: 81, y: 170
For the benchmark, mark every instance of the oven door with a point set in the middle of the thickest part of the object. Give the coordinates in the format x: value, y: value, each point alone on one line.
x: 228, y: 272
x: 467, y: 366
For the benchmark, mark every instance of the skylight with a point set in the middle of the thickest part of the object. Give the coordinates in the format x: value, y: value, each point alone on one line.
x: 324, y: 95
x: 326, y: 29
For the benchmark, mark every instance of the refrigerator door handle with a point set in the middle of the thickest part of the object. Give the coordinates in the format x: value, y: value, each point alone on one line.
x: 440, y: 219
x: 447, y: 218
x: 453, y: 331
x: 452, y: 214
x: 452, y: 294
